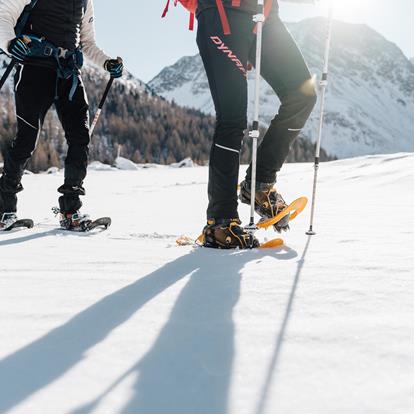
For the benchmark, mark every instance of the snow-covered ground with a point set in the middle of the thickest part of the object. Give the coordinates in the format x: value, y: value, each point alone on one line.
x: 123, y: 321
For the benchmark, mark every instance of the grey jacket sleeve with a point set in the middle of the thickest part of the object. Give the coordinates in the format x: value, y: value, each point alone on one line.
x: 10, y: 11
x: 90, y: 48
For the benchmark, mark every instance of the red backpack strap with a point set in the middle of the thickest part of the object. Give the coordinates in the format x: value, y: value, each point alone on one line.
x: 167, y: 6
x: 223, y: 17
x: 235, y: 3
x: 191, y: 23
x: 268, y: 7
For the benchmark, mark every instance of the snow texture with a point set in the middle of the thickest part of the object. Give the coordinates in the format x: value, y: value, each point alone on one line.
x: 370, y: 97
x: 124, y: 321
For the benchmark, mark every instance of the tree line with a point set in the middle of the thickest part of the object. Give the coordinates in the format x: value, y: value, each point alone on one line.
x: 145, y: 126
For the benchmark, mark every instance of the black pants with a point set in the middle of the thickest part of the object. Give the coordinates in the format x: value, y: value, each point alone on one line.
x: 225, y: 60
x: 35, y: 92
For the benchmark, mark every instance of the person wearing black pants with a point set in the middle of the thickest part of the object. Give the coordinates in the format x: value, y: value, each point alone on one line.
x: 226, y: 59
x: 49, y: 49
x: 35, y: 93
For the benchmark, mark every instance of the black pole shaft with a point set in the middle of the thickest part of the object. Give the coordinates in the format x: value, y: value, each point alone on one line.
x: 105, y: 95
x: 6, y: 74
x: 101, y: 105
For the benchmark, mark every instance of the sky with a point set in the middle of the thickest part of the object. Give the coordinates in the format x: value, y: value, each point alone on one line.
x: 148, y: 43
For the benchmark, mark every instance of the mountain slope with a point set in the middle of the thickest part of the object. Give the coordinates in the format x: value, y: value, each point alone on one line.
x: 125, y: 322
x: 144, y: 126
x: 135, y: 122
x: 370, y: 101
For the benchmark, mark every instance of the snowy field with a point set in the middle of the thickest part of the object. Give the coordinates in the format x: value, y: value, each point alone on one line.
x: 123, y: 321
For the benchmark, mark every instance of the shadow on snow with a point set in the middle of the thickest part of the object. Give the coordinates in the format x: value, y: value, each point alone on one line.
x: 40, y: 235
x: 187, y: 370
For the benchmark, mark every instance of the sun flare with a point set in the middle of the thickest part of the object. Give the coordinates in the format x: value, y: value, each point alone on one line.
x: 349, y: 9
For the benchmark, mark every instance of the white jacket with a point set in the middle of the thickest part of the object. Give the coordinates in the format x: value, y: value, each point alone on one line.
x: 10, y: 11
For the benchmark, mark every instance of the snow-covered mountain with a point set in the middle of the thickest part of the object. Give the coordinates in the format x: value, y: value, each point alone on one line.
x: 370, y: 101
x: 143, y: 126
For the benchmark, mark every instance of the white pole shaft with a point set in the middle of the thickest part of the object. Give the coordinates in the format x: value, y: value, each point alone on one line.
x: 259, y: 35
x: 323, y: 84
x: 95, y: 121
x: 259, y: 18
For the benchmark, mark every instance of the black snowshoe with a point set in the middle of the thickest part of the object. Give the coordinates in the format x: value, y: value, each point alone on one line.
x: 9, y: 221
x: 80, y: 222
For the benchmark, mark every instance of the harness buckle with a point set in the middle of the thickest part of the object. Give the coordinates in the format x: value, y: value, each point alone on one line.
x: 62, y: 52
x: 48, y: 51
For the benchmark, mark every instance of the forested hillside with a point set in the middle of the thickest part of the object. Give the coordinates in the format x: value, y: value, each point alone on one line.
x: 147, y: 127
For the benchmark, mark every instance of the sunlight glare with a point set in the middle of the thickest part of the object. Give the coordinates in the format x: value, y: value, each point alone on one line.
x: 350, y: 9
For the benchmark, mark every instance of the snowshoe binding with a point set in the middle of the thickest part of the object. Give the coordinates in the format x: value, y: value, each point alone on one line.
x: 268, y: 203
x: 9, y: 221
x: 80, y: 222
x: 227, y: 234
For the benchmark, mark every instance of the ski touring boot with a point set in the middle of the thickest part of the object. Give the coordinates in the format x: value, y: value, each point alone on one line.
x: 68, y: 211
x: 8, y: 205
x: 268, y: 203
x: 73, y: 221
x: 9, y: 221
x: 227, y: 234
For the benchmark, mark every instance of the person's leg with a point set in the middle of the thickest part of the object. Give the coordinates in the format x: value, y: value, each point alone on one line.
x: 284, y: 68
x: 74, y: 117
x: 34, y: 93
x: 225, y: 61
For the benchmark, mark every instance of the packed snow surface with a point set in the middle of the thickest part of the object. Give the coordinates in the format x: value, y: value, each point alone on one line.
x: 124, y: 321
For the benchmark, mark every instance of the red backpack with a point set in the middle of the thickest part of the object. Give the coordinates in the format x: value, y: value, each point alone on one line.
x: 191, y: 6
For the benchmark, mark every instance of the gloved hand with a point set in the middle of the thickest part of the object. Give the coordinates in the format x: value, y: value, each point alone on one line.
x: 19, y: 49
x: 115, y: 67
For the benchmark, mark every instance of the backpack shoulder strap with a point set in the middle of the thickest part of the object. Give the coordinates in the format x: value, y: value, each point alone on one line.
x: 24, y: 17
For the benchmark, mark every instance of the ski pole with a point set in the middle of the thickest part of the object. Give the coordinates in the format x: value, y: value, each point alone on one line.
x: 101, y: 105
x: 255, y: 131
x: 6, y: 74
x: 323, y: 84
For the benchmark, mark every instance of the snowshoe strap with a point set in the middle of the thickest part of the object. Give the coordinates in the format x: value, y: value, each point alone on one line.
x: 81, y: 218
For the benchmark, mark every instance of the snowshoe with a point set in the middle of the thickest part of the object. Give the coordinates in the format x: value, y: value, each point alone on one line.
x: 9, y: 221
x: 227, y: 234
x: 80, y: 222
x: 268, y: 203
